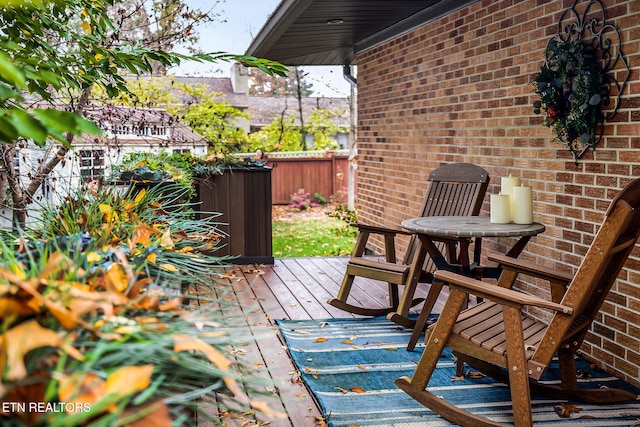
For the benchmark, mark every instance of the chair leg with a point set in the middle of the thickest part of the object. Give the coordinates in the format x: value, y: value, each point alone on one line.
x: 345, y: 287
x: 427, y: 308
x: 394, y: 298
x: 407, y: 301
x: 438, y: 339
x: 568, y: 379
x: 517, y: 367
x: 416, y: 386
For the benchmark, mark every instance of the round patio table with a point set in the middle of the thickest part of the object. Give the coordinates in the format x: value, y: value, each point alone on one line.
x: 463, y: 229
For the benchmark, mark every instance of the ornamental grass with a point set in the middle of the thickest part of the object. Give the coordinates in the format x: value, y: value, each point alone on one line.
x: 95, y: 328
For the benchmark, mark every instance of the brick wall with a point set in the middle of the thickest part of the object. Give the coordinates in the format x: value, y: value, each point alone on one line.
x: 457, y: 90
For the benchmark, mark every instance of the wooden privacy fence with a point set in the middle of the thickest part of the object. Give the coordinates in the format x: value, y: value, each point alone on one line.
x: 321, y: 172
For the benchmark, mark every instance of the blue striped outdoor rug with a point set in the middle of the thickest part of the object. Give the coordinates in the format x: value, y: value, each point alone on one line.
x: 350, y: 365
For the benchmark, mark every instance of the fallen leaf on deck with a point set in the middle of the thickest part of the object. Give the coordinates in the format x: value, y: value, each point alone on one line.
x: 321, y: 339
x: 566, y: 409
x: 474, y: 375
x: 358, y: 390
x: 364, y: 368
x: 457, y: 378
x: 346, y: 342
x: 342, y: 390
x: 391, y: 348
x: 265, y: 409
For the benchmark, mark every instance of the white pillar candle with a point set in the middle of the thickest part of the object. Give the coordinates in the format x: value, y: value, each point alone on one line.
x: 507, y: 183
x: 523, y: 205
x: 500, y: 209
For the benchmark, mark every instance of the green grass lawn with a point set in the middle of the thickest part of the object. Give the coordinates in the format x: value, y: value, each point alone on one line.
x: 312, y: 237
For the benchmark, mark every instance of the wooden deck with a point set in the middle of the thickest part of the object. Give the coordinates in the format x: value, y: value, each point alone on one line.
x: 293, y: 288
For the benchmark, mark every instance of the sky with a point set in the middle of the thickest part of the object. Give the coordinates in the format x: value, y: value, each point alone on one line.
x: 243, y: 20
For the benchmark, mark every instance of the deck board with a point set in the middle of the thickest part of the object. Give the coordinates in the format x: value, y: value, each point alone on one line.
x: 292, y: 288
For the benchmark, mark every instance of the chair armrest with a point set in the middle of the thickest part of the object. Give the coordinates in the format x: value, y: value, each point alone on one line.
x: 531, y: 269
x: 380, y: 230
x: 495, y: 293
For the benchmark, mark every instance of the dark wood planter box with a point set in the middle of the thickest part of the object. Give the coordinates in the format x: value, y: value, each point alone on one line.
x: 243, y: 197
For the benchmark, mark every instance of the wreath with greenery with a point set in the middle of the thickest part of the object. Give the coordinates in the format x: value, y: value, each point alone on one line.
x: 570, y: 84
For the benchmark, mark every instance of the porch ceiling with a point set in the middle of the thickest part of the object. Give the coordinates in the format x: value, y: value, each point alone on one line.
x: 330, y: 32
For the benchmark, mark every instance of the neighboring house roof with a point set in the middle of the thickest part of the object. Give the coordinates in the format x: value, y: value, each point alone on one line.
x: 264, y: 109
x: 331, y: 32
x: 216, y: 84
x: 135, y: 125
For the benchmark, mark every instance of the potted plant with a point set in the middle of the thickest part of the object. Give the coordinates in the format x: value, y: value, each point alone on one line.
x: 236, y: 192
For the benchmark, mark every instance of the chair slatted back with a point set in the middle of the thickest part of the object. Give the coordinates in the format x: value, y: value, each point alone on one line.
x: 597, y: 273
x: 455, y: 189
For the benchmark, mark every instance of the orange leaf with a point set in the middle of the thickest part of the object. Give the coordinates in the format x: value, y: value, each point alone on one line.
x: 346, y: 342
x: 143, y: 234
x: 147, y: 303
x: 152, y: 257
x: 90, y: 388
x: 20, y: 340
x: 157, y: 415
x: 183, y: 342
x: 172, y: 304
x: 25, y: 393
x: 265, y: 409
x: 140, y: 195
x: 138, y: 286
x: 117, y: 277
x: 64, y: 316
x: 566, y: 409
x: 55, y: 264
x: 129, y: 379
x: 168, y: 267
x: 166, y: 242
x: 321, y: 339
x: 475, y: 375
x: 14, y: 307
x: 358, y: 390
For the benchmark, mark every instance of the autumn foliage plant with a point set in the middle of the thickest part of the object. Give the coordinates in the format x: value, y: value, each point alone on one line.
x: 95, y: 330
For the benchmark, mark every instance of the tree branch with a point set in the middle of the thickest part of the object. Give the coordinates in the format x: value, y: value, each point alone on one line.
x: 44, y: 170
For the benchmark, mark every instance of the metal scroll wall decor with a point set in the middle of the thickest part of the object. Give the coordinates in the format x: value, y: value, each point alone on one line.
x: 584, y: 75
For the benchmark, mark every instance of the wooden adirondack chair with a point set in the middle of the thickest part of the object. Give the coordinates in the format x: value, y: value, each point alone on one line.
x: 455, y: 189
x: 499, y: 338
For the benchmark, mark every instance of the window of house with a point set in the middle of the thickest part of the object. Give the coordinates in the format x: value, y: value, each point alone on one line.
x: 120, y: 129
x: 91, y: 164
